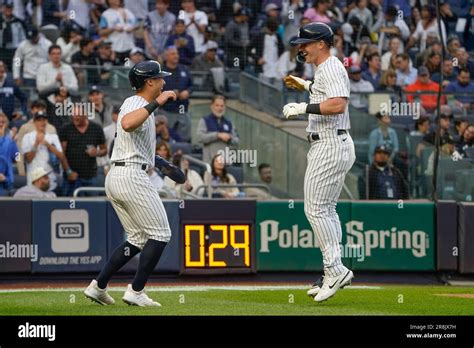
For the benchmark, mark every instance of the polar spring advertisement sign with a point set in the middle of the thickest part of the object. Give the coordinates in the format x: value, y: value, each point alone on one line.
x: 390, y: 236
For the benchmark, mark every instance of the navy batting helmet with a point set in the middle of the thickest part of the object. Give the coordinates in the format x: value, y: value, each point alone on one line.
x: 312, y: 32
x: 146, y: 70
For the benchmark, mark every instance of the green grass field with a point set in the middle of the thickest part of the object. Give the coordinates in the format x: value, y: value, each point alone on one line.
x: 380, y: 300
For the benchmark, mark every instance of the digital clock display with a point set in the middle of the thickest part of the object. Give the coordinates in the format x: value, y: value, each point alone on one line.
x: 218, y: 246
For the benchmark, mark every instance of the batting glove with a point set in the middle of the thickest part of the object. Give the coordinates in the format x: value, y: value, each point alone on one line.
x: 297, y: 83
x: 292, y: 110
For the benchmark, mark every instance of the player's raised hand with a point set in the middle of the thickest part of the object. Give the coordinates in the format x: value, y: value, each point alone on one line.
x: 165, y: 96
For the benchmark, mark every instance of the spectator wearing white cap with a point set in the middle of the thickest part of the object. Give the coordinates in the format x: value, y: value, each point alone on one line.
x: 136, y: 56
x: 208, y: 59
x: 39, y: 187
x: 272, y: 11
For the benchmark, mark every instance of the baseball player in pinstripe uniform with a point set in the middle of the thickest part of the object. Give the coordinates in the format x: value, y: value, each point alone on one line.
x: 134, y: 198
x: 332, y: 153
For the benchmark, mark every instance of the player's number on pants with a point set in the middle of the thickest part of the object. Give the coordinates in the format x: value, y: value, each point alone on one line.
x: 227, y: 232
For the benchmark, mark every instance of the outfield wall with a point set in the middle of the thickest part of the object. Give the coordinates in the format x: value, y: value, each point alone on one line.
x: 223, y: 236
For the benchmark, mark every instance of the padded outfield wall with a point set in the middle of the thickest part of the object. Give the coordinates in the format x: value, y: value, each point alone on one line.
x: 223, y: 236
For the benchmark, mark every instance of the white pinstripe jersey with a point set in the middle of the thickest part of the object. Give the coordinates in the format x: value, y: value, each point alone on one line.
x: 139, y: 145
x: 330, y: 81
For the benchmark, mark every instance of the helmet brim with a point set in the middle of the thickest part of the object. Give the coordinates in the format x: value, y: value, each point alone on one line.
x: 300, y: 41
x: 160, y: 75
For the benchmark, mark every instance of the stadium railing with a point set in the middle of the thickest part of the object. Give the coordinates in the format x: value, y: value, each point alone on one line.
x: 210, y: 189
x: 203, y: 85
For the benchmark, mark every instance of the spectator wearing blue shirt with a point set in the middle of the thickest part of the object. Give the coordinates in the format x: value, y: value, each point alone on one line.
x: 9, y: 90
x: 183, y: 42
x: 449, y: 75
x: 385, y: 180
x: 8, y: 156
x: 216, y: 132
x: 164, y: 132
x: 373, y: 73
x: 383, y: 135
x: 181, y: 83
x: 402, y: 5
x: 52, y: 14
x: 463, y: 60
x: 462, y: 85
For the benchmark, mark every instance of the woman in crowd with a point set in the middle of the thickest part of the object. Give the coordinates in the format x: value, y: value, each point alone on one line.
x: 193, y: 179
x: 219, y: 176
x: 69, y: 42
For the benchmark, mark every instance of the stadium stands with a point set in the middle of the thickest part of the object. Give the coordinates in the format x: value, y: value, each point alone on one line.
x: 254, y: 80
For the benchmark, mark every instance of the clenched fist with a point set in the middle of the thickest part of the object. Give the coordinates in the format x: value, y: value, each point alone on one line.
x: 163, y: 97
x: 292, y: 110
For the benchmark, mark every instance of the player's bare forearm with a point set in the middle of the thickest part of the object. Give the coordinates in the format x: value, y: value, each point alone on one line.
x: 333, y: 106
x: 134, y: 119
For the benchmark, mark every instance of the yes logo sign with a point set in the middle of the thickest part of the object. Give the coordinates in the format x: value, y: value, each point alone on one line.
x: 69, y: 231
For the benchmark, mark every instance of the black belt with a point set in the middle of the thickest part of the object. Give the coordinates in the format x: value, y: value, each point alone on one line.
x: 315, y: 136
x: 123, y: 164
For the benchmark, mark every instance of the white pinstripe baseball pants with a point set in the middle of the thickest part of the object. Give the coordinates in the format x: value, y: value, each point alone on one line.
x: 329, y: 160
x: 138, y: 205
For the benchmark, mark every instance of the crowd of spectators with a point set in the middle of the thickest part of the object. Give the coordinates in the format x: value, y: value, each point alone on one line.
x: 57, y: 48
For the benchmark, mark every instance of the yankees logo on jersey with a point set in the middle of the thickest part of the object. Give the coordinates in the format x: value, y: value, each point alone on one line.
x: 330, y: 81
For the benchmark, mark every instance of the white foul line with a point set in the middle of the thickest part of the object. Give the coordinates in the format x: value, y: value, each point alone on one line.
x: 182, y: 288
